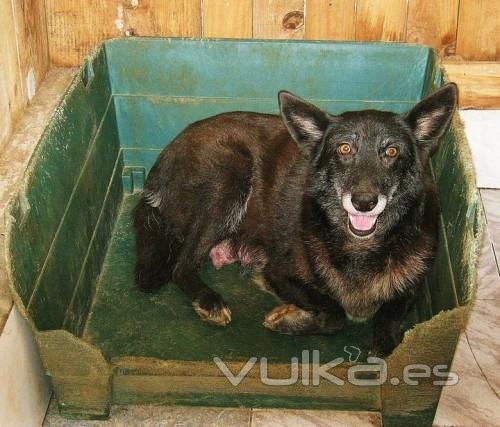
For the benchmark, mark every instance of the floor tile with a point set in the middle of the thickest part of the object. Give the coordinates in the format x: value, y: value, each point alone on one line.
x: 482, y: 334
x: 488, y: 285
x: 158, y: 416
x: 472, y: 402
x: 310, y: 418
x: 491, y: 204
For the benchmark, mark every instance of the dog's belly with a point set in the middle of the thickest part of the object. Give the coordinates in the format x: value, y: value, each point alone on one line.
x: 227, y: 252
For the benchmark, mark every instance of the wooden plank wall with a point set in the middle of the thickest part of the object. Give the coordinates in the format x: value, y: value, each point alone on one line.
x: 24, y: 57
x: 39, y: 32
x: 462, y: 29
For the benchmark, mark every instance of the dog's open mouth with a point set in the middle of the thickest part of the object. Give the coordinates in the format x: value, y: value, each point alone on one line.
x: 362, y: 225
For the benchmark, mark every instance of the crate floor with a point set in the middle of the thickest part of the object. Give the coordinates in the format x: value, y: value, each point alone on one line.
x: 127, y: 322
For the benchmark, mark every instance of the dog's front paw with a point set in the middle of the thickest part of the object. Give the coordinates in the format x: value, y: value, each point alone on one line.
x: 212, y: 309
x: 288, y: 319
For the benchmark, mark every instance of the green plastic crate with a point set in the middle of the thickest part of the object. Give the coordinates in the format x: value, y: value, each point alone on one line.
x: 70, y: 243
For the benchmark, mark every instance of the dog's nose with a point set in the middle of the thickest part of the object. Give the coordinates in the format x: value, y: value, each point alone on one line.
x: 364, y: 202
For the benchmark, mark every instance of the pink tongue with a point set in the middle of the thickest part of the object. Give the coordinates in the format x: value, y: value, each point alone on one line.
x: 362, y: 222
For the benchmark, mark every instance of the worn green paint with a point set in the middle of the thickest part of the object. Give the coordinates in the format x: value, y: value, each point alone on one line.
x: 70, y: 244
x: 77, y: 312
x: 259, y: 69
x: 441, y: 278
x: 155, y: 121
x: 459, y: 205
x: 53, y: 172
x: 81, y: 215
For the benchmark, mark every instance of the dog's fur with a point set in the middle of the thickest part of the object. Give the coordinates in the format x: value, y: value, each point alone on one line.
x: 275, y: 192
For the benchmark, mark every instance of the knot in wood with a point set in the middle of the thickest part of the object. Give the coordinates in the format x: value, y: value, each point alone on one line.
x: 293, y: 20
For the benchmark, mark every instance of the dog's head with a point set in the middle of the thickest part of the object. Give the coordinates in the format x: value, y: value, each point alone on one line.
x: 367, y: 165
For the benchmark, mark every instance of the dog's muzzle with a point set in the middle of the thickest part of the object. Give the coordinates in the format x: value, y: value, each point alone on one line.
x: 362, y: 224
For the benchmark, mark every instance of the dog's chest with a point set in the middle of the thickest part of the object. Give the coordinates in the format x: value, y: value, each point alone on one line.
x: 361, y: 293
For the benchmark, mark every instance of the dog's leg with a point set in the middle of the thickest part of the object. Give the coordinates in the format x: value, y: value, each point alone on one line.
x: 305, y: 311
x: 216, y: 217
x: 292, y: 320
x: 387, y: 325
x: 215, y: 201
x: 155, y: 250
x: 207, y: 303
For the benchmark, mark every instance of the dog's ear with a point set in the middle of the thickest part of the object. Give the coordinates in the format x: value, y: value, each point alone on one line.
x: 430, y: 118
x: 305, y: 122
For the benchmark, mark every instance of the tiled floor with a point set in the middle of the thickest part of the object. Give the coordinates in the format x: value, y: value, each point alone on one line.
x: 159, y: 416
x: 474, y: 401
x: 176, y: 416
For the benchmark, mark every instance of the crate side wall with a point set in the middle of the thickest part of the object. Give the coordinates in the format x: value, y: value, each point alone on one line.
x: 451, y: 282
x: 461, y: 228
x: 59, y: 282
x: 39, y: 213
x: 255, y: 69
x: 147, y: 124
x: 107, y: 178
x: 460, y: 211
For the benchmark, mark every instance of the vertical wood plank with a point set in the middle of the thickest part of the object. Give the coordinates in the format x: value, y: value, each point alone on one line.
x: 138, y: 18
x: 5, y: 116
x: 435, y: 26
x: 330, y: 19
x: 175, y: 18
x: 227, y: 18
x: 11, y: 89
x: 76, y: 26
x: 381, y: 20
x: 479, y: 30
x: 23, y: 57
x: 278, y: 19
x: 31, y: 32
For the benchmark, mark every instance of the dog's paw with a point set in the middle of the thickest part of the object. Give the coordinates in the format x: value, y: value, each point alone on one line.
x: 288, y: 319
x: 212, y: 309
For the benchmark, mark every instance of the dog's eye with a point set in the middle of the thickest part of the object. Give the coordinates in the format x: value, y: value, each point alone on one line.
x: 391, y: 152
x: 344, y: 149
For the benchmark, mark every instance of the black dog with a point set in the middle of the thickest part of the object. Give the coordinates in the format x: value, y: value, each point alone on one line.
x: 337, y: 215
